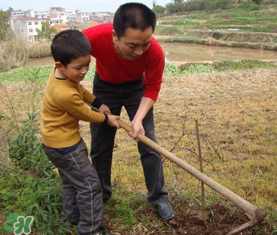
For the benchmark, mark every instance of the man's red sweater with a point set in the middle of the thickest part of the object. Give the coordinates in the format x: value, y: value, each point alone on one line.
x: 112, y: 68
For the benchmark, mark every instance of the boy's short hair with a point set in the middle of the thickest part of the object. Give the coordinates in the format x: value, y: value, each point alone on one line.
x: 133, y: 15
x: 69, y: 45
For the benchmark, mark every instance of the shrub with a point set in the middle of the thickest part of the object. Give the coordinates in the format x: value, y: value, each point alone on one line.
x: 13, y: 52
x: 30, y: 185
x: 39, y: 49
x: 170, y: 69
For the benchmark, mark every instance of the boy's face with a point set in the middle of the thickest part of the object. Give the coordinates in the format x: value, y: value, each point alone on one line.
x: 76, y: 70
x: 133, y: 43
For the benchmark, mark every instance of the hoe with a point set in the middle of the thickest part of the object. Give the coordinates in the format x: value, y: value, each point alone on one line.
x: 256, y: 215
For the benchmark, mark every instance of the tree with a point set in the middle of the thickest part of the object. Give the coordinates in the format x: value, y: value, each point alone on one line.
x: 159, y: 10
x: 258, y: 2
x: 175, y: 7
x: 178, y: 1
x: 46, y: 31
x: 4, y: 24
x: 9, y: 11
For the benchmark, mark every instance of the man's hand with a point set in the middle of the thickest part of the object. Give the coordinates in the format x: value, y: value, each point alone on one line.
x: 137, y: 129
x: 104, y: 109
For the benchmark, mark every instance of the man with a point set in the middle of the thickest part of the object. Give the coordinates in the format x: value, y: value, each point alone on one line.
x: 129, y: 69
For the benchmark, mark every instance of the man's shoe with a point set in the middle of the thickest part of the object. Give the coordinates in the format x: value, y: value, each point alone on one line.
x: 164, y: 211
x: 101, y: 231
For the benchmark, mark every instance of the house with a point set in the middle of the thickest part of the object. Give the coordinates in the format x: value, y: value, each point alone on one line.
x: 102, y: 14
x: 54, y: 19
x: 102, y: 17
x: 61, y: 27
x: 82, y: 16
x: 57, y: 11
x: 58, y: 15
x: 71, y: 16
x: 18, y: 13
x: 37, y: 13
x: 27, y: 28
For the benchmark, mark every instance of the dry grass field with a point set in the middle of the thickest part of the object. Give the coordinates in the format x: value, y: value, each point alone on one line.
x: 236, y: 112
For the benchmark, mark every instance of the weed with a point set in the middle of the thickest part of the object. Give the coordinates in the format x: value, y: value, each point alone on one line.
x: 196, y: 68
x: 29, y: 183
x: 225, y: 66
x: 13, y: 52
x: 126, y: 205
x: 170, y: 69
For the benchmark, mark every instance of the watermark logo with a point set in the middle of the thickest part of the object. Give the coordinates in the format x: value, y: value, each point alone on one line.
x: 20, y: 224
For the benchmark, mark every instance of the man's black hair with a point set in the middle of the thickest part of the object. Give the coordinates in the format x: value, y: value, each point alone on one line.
x: 69, y: 45
x: 133, y: 15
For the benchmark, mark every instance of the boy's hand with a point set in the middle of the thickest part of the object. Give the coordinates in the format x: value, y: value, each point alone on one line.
x: 104, y: 109
x: 112, y: 120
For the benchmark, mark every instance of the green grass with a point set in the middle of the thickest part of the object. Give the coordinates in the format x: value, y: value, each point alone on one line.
x: 28, y: 73
x: 168, y: 30
x: 125, y: 206
x: 221, y: 66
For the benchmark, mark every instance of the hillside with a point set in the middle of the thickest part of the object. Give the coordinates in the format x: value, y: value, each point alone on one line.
x: 237, y: 27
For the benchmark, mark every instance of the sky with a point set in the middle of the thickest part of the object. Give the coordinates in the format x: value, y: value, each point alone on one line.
x: 83, y: 5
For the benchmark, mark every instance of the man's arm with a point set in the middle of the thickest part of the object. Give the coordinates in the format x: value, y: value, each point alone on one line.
x: 154, y: 72
x: 145, y: 105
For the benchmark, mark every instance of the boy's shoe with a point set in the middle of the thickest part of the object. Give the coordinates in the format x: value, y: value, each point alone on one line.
x: 101, y: 231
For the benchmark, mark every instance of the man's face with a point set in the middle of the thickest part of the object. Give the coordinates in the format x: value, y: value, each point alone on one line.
x: 133, y: 43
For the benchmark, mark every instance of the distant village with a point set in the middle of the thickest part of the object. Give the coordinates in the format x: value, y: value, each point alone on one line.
x: 28, y: 23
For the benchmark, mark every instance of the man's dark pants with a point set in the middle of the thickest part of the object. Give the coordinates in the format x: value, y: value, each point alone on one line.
x: 115, y: 96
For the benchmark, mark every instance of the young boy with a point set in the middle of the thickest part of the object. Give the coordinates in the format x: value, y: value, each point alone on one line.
x: 63, y: 107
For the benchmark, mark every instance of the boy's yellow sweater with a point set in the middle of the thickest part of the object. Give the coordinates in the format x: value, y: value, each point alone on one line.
x: 63, y: 107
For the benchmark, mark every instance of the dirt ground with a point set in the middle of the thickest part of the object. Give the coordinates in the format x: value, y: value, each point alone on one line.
x: 236, y: 112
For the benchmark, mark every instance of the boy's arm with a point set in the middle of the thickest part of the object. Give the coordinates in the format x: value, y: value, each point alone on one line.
x: 97, y: 103
x: 76, y: 106
x: 90, y: 98
x: 78, y: 109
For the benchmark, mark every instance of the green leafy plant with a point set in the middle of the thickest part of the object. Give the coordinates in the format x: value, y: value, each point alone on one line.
x: 30, y: 184
x: 170, y: 69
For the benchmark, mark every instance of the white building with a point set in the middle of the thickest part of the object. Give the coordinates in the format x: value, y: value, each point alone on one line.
x: 58, y: 15
x: 37, y: 13
x: 27, y: 28
x: 17, y: 13
x: 57, y: 20
x: 82, y: 16
x: 71, y: 16
x: 101, y: 14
